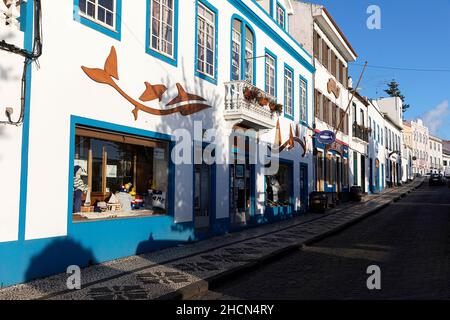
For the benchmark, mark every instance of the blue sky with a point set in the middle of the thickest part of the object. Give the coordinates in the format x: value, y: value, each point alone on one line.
x: 414, y: 34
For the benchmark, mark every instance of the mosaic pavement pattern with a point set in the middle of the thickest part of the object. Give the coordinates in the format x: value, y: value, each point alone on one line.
x: 158, y: 274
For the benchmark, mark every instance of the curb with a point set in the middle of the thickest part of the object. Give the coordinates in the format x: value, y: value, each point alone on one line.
x: 202, y: 286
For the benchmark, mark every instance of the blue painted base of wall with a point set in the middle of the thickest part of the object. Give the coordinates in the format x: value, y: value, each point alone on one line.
x: 89, y: 243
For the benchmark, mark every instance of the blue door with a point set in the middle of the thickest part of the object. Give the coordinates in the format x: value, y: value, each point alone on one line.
x: 304, y: 192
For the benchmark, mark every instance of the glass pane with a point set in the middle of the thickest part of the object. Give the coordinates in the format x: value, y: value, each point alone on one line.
x: 108, y: 4
x: 82, y: 5
x: 97, y: 165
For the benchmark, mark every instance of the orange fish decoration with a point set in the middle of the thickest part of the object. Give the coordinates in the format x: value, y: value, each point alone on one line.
x: 290, y: 143
x: 188, y: 104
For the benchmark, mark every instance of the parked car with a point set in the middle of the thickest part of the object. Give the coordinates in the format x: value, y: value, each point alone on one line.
x: 436, y: 180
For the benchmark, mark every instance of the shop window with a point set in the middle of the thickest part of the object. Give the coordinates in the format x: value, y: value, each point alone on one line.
x: 118, y: 176
x: 279, y: 187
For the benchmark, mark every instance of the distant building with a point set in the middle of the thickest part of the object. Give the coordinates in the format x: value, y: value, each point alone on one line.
x: 420, y: 144
x: 446, y: 158
x: 435, y: 156
x: 407, y: 153
x: 377, y: 151
x: 393, y: 126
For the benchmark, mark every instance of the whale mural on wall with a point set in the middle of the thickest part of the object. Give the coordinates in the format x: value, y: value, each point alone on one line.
x: 185, y: 103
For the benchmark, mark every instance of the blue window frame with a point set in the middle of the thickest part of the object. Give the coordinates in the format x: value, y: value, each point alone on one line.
x: 281, y: 16
x: 289, y: 84
x: 303, y: 100
x: 206, y: 49
x: 102, y: 16
x: 243, y: 50
x: 162, y: 30
x: 270, y: 73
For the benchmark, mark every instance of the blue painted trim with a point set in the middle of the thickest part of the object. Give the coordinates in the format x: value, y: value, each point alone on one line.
x: 303, y: 122
x: 115, y: 34
x: 270, y: 53
x: 170, y: 60
x: 285, y: 15
x: 203, y: 76
x: 290, y: 117
x: 28, y: 45
x: 244, y: 26
x: 268, y: 30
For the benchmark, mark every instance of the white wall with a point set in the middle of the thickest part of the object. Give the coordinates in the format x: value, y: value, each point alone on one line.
x: 61, y: 89
x: 11, y: 69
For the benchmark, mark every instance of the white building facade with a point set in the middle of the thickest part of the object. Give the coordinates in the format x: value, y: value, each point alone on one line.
x: 377, y: 148
x: 360, y: 133
x: 393, y: 127
x: 420, y: 141
x: 436, y: 155
x: 208, y: 70
x: 313, y: 26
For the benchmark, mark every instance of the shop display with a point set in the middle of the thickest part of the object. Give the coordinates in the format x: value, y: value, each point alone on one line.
x: 126, y: 176
x: 79, y: 188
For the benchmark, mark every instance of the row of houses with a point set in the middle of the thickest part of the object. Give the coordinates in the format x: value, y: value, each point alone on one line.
x: 148, y: 125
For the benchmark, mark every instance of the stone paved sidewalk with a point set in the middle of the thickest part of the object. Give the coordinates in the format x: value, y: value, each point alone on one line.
x: 187, y: 270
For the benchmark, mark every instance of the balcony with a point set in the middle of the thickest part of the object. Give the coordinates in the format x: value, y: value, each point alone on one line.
x: 360, y: 132
x: 247, y: 105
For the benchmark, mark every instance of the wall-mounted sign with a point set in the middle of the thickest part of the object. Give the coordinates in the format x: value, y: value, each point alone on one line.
x: 332, y: 87
x: 111, y: 171
x: 326, y: 137
x: 159, y: 154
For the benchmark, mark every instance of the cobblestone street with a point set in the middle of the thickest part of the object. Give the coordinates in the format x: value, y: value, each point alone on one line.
x: 409, y: 240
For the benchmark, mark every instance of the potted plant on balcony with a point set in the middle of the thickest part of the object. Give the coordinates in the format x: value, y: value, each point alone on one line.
x: 263, y: 101
x: 275, y: 107
x: 251, y: 94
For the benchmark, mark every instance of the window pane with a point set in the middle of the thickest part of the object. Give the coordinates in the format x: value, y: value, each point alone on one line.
x: 108, y: 4
x: 126, y: 179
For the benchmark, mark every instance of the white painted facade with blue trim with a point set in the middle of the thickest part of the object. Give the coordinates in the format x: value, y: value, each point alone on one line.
x: 38, y: 236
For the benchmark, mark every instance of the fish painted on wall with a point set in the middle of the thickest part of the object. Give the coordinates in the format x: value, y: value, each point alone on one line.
x: 185, y: 103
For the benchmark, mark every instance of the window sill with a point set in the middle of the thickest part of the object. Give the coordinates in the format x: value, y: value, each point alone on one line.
x: 170, y: 60
x: 206, y: 77
x: 78, y: 218
x: 115, y: 34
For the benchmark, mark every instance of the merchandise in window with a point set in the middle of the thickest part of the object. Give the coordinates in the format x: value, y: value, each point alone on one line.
x: 279, y: 187
x: 118, y: 176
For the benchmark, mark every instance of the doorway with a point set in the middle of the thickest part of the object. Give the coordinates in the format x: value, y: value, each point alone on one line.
x: 202, y: 197
x: 363, y: 173
x: 304, y: 192
x: 242, y: 185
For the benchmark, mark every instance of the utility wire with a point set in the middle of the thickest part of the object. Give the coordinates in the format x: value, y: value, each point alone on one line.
x: 402, y: 69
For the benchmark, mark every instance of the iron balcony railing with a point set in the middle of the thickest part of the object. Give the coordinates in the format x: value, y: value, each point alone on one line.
x: 361, y: 132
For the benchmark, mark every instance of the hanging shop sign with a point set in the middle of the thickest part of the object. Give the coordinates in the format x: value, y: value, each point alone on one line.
x: 185, y: 103
x: 326, y: 137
